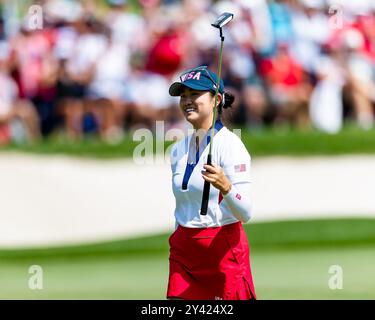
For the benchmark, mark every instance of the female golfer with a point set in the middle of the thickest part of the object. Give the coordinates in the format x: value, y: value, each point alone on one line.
x: 209, y: 254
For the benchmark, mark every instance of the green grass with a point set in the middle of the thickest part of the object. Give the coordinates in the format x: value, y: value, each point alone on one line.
x: 290, y: 260
x: 350, y: 140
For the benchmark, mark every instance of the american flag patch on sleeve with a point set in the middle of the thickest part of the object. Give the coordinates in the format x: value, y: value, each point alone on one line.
x: 240, y: 167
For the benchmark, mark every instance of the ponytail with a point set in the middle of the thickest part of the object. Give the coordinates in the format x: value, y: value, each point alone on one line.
x: 228, y: 99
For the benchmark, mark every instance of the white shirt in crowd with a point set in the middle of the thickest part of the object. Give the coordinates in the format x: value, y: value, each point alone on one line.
x: 229, y: 152
x: 326, y: 106
x: 8, y: 93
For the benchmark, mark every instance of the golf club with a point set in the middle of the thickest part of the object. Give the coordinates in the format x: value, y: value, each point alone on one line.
x: 220, y: 22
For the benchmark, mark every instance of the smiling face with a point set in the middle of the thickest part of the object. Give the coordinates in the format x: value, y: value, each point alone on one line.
x: 197, y: 107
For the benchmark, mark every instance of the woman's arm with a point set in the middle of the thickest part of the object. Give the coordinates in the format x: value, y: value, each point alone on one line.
x: 236, y: 195
x: 239, y: 201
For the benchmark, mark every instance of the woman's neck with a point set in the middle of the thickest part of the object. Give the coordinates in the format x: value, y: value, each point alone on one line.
x: 201, y: 130
x: 203, y: 126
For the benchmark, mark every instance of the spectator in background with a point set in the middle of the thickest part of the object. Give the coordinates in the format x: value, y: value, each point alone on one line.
x: 281, y: 21
x: 32, y: 69
x: 250, y: 43
x: 2, y: 29
x: 46, y: 96
x: 105, y: 92
x: 361, y: 78
x: 145, y: 97
x: 255, y: 103
x: 326, y: 108
x: 167, y: 52
x: 76, y: 74
x: 353, y: 47
x: 147, y: 83
x: 288, y: 87
x: 104, y: 69
x: 310, y: 30
x: 366, y: 25
x: 18, y: 119
x: 127, y: 29
x: 28, y: 49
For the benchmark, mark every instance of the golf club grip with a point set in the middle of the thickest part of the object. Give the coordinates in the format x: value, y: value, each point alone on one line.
x: 206, y: 192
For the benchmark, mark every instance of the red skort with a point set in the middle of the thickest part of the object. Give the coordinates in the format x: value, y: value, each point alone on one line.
x: 210, y: 264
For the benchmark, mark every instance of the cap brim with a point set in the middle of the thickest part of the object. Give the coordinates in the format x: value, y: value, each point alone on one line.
x: 176, y: 88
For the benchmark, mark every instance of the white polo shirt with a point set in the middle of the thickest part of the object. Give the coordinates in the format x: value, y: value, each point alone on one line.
x: 228, y: 152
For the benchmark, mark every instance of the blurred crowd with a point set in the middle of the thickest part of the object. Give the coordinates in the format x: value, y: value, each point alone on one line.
x: 104, y: 67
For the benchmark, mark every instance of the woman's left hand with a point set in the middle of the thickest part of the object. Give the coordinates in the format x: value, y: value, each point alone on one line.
x: 215, y: 175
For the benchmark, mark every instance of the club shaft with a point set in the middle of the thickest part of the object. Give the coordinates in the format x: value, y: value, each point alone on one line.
x: 216, y: 96
x: 206, y: 187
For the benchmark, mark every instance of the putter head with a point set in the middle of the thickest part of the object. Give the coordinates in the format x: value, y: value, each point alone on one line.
x: 222, y: 20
